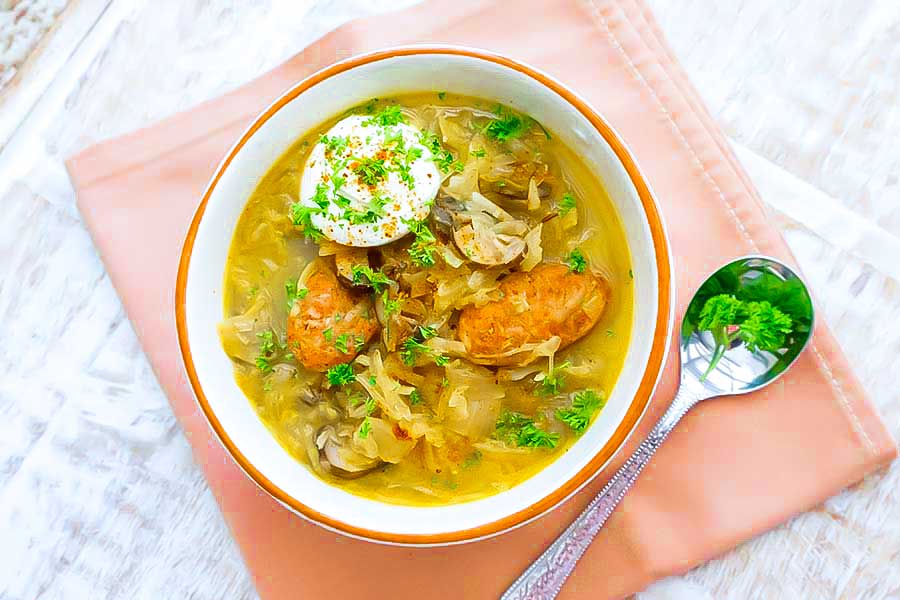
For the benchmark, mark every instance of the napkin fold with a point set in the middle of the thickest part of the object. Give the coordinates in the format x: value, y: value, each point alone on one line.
x: 734, y: 468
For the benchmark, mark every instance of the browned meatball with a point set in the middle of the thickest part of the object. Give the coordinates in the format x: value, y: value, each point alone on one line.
x: 549, y: 300
x: 330, y: 324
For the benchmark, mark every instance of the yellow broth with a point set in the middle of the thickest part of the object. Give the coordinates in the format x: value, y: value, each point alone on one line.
x: 267, y: 251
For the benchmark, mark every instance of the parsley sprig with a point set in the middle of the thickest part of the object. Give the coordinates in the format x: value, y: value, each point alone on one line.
x: 268, y: 346
x: 554, y: 381
x: 567, y: 204
x: 520, y: 430
x: 365, y: 275
x: 412, y: 348
x: 759, y: 324
x: 584, y: 405
x: 577, y: 261
x: 422, y: 249
x: 507, y: 125
x: 341, y: 374
x: 441, y: 157
x: 294, y: 292
x: 387, y: 117
x: 370, y: 170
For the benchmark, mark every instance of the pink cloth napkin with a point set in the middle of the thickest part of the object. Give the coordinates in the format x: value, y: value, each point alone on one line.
x: 733, y: 469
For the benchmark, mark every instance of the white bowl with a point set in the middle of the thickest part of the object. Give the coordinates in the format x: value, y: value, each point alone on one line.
x: 312, y: 101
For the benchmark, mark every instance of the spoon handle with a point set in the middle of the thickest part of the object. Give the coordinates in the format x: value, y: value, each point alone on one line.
x: 545, y: 577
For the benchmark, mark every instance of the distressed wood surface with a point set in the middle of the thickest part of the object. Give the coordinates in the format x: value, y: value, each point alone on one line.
x: 99, y: 497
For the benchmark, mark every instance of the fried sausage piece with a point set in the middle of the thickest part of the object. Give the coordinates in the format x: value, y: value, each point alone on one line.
x: 330, y: 324
x: 547, y: 301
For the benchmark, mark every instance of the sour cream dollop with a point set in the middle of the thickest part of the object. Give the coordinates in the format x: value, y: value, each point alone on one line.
x: 366, y: 181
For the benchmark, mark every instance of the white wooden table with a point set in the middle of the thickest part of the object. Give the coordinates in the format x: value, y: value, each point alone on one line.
x: 99, y: 497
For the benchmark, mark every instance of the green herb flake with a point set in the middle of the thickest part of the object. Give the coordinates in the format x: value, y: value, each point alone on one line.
x: 412, y: 348
x: 301, y: 217
x: 441, y: 95
x: 294, y: 293
x: 390, y: 306
x: 364, y: 275
x: 267, y: 348
x: 519, y: 430
x: 585, y: 404
x: 341, y: 374
x: 365, y: 429
x: 577, y: 261
x: 263, y: 364
x: 507, y: 125
x: 554, y: 381
x: 567, y: 204
x: 334, y: 144
x: 480, y: 153
x: 342, y: 343
x: 415, y: 397
x: 424, y: 246
x: 328, y: 334
x: 387, y: 117
x: 442, y: 158
x: 370, y: 171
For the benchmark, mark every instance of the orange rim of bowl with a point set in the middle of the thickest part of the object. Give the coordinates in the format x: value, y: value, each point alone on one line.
x: 648, y: 380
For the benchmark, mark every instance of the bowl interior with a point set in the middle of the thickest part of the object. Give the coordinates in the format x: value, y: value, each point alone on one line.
x: 267, y: 139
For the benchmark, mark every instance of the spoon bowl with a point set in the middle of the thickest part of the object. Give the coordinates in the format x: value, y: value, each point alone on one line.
x: 766, y: 320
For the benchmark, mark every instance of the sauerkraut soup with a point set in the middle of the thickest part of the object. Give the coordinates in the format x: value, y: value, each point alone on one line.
x: 427, y: 299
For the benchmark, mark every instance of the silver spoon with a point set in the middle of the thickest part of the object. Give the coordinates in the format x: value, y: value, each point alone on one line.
x: 737, y: 371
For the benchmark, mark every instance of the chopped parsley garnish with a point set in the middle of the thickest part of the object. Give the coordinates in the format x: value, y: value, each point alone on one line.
x: 576, y: 260
x: 370, y: 170
x: 301, y: 216
x: 507, y: 125
x: 342, y: 341
x: 294, y: 293
x: 403, y: 160
x: 328, y: 334
x: 758, y: 324
x: 567, y: 204
x: 554, y: 381
x: 415, y: 397
x: 393, y: 137
x: 441, y: 95
x: 411, y: 348
x: 388, y: 116
x: 335, y: 143
x: 584, y: 406
x: 263, y: 364
x: 267, y: 347
x: 341, y: 374
x: 365, y: 428
x: 442, y: 158
x: 374, y: 211
x: 390, y: 306
x: 369, y: 401
x: 422, y: 249
x: 480, y: 153
x: 321, y: 196
x: 519, y: 430
x: 364, y: 275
